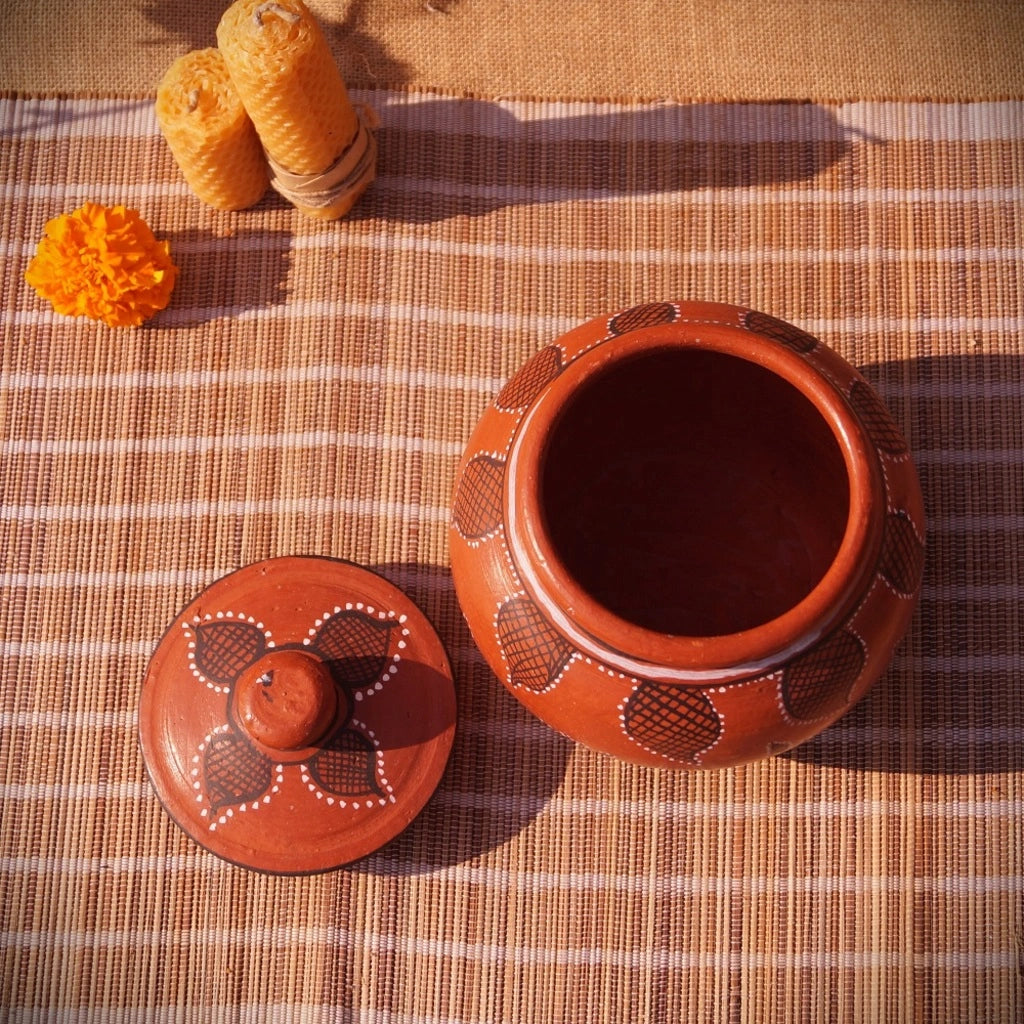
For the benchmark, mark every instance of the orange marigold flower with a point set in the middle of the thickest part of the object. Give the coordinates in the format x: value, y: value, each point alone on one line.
x: 103, y: 262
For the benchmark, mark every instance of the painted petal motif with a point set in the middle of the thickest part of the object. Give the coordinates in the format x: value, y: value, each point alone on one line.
x: 902, y: 555
x: 225, y: 647
x: 650, y: 314
x: 233, y: 771
x: 877, y: 420
x: 530, y: 379
x: 476, y: 510
x: 535, y: 653
x: 356, y: 644
x: 789, y: 335
x: 676, y: 722
x: 818, y: 683
x: 346, y: 765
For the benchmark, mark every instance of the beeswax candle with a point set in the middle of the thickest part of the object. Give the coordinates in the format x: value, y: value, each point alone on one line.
x: 321, y: 148
x: 209, y: 133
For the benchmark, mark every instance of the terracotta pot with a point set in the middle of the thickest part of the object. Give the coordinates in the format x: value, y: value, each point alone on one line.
x: 687, y: 534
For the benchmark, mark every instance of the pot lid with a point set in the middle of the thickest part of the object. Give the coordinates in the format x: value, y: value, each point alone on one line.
x: 297, y: 715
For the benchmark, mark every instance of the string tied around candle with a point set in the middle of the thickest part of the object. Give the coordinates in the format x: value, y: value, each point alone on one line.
x: 353, y: 170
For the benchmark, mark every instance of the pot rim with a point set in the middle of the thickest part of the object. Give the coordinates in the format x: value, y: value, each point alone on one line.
x: 632, y: 649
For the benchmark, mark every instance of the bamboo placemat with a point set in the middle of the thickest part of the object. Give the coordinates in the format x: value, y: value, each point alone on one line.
x: 824, y: 50
x: 309, y: 391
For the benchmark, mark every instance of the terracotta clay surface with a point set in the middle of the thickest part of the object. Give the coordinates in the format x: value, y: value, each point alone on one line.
x: 297, y: 715
x: 687, y: 534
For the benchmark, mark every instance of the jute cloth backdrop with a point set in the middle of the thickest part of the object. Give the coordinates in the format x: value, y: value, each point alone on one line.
x: 561, y: 49
x: 309, y: 390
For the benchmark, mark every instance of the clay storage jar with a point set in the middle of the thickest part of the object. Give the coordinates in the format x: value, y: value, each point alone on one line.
x: 687, y: 534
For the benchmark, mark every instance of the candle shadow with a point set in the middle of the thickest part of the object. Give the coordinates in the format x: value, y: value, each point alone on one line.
x: 362, y: 58
x: 443, y: 158
x: 194, y: 31
x: 223, y: 275
x: 950, y: 703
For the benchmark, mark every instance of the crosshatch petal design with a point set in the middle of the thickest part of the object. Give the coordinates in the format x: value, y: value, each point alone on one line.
x: 877, y: 420
x: 674, y: 722
x: 652, y: 314
x: 790, y: 335
x: 224, y: 647
x: 357, y: 644
x: 477, y: 507
x: 346, y: 766
x: 530, y: 379
x: 818, y: 683
x: 536, y: 653
x: 902, y: 554
x: 234, y: 772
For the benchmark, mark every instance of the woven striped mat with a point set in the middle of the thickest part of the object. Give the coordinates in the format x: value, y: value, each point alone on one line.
x: 309, y: 390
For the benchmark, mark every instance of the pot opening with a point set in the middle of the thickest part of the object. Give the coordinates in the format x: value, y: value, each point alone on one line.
x: 692, y: 492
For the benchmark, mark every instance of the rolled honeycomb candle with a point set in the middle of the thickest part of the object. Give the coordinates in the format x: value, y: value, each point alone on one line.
x: 321, y: 148
x: 209, y: 133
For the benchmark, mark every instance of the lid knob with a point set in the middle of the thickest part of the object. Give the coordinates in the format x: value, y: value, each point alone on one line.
x: 287, y: 700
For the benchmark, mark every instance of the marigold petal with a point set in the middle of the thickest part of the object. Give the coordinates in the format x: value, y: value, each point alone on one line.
x: 103, y: 263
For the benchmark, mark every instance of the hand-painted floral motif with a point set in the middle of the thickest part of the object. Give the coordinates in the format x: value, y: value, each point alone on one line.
x: 476, y: 512
x: 233, y: 772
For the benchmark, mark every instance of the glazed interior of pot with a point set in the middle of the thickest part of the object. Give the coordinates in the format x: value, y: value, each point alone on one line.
x: 692, y: 492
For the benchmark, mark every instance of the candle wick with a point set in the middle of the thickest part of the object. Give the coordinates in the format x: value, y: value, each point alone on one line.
x: 272, y: 8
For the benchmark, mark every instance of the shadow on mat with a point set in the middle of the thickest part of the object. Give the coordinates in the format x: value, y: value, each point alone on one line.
x: 226, y: 275
x: 464, y: 157
x: 953, y: 700
x: 504, y: 767
x: 448, y: 157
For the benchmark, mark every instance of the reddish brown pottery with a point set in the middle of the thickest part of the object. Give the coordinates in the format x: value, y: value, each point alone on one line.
x: 688, y: 535
x: 297, y: 715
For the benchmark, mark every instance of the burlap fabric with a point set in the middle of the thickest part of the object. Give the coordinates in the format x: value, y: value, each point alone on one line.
x: 309, y: 390
x: 561, y: 49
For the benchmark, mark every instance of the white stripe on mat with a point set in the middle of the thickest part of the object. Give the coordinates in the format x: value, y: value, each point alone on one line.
x: 317, y: 309
x: 515, y: 804
x: 234, y: 442
x: 317, y: 506
x: 738, y: 123
x: 549, y: 254
x: 435, y: 578
x: 432, y: 577
x: 656, y: 958
x: 187, y: 379
x: 301, y: 1012
x: 543, y: 326
x: 240, y: 442
x: 522, y: 195
x: 527, y: 730
x: 204, y: 509
x: 968, y: 886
